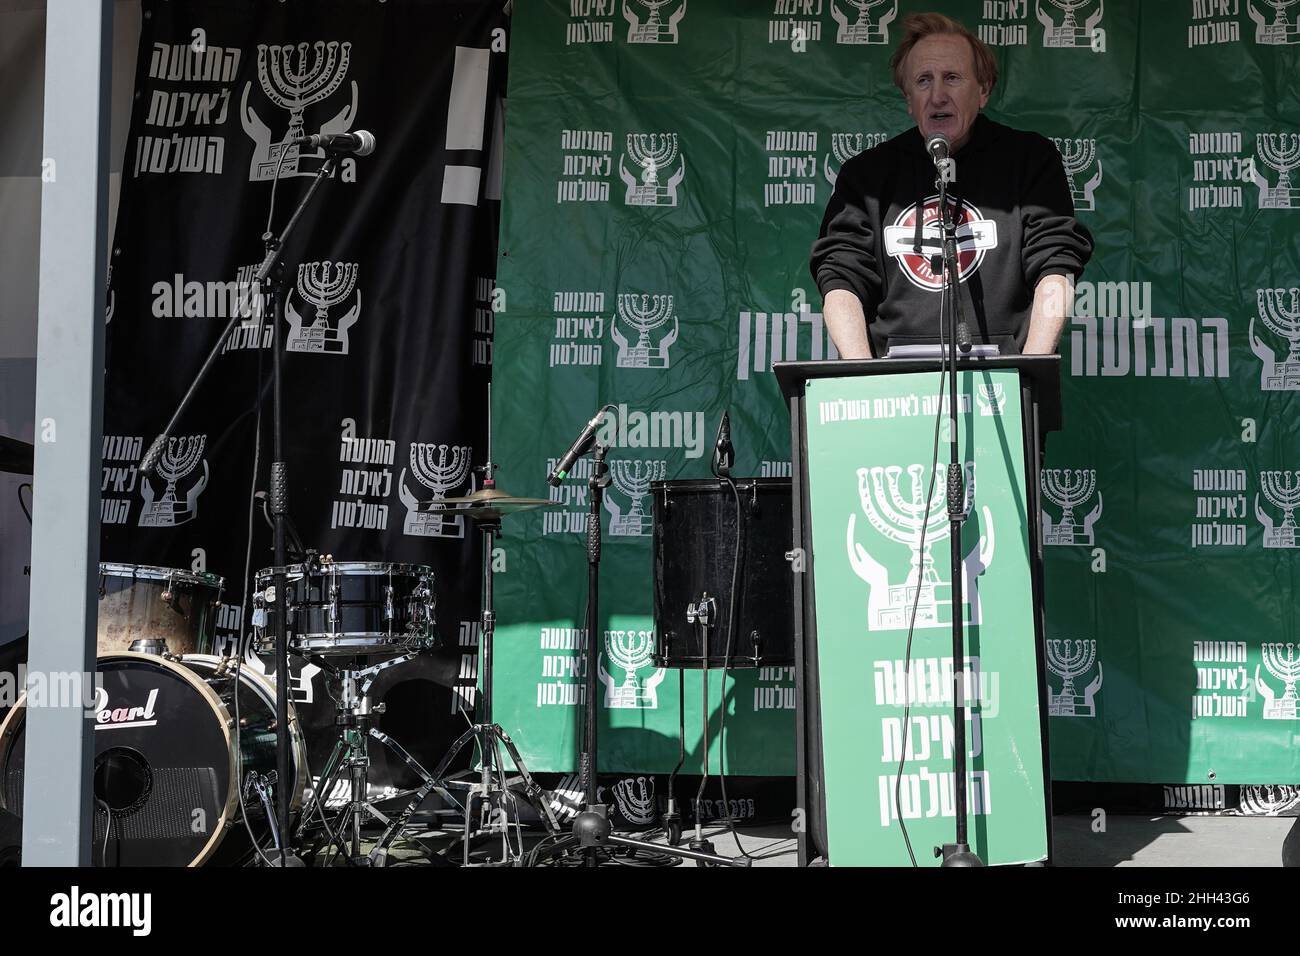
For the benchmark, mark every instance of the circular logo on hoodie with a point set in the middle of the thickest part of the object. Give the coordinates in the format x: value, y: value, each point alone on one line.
x: 975, y: 236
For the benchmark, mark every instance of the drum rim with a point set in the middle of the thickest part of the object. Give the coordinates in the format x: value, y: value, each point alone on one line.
x: 357, y: 568
x: 156, y: 572
x: 225, y: 821
x: 716, y: 484
x: 297, y: 739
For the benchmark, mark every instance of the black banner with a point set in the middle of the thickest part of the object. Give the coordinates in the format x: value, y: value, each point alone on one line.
x: 388, y: 284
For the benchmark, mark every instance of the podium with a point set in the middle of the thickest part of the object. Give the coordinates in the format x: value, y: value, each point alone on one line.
x: 866, y: 560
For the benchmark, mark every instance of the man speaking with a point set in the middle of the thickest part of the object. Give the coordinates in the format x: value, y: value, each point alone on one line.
x: 1020, y: 248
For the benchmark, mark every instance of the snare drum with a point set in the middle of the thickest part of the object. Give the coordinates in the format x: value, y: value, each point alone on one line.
x: 166, y: 763
x: 350, y: 608
x: 137, y: 601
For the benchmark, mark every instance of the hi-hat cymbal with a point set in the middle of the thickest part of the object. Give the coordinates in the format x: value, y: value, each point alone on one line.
x: 15, y: 456
x: 492, y: 503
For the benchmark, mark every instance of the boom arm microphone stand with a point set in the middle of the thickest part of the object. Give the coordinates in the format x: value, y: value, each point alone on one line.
x: 959, y: 852
x: 271, y: 269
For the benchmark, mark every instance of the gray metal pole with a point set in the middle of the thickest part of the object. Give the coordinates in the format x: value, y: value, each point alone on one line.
x: 69, y: 431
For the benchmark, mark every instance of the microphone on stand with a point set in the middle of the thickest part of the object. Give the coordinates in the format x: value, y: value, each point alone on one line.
x: 360, y: 143
x: 939, y: 148
x: 581, y: 445
x: 724, y: 453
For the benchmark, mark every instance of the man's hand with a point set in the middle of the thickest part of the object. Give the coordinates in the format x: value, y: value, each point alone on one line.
x: 1052, y: 300
x: 847, y: 324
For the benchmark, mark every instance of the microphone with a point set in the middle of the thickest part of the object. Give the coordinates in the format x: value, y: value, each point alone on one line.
x: 724, y: 453
x: 362, y: 142
x: 579, y: 448
x: 938, y: 147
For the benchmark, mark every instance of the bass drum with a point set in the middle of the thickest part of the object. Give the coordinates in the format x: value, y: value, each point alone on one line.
x: 166, y: 764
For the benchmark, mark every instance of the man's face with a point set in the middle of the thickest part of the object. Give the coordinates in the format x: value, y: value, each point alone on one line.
x: 942, y: 93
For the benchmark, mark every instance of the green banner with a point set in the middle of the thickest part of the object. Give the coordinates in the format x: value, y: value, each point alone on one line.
x: 666, y: 169
x: 881, y: 546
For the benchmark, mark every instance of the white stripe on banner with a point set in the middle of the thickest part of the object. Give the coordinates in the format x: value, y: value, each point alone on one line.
x: 467, y: 108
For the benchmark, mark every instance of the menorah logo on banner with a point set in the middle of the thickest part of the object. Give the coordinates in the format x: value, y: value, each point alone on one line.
x: 295, y: 77
x: 323, y: 285
x: 1279, y: 311
x: 440, y: 468
x: 1070, y: 660
x: 1069, y: 23
x: 179, y: 460
x: 1068, y: 489
x: 631, y: 651
x: 662, y: 169
x: 863, y: 22
x: 991, y: 399
x: 635, y: 799
x: 1276, y: 23
x: 1079, y: 156
x: 902, y: 519
x: 631, y: 477
x: 653, y: 21
x: 647, y: 316
x: 844, y: 146
x: 1282, y: 490
x: 1283, y: 662
x: 1281, y: 153
x: 1270, y: 800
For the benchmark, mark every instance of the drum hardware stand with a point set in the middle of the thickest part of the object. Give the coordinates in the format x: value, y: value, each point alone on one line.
x: 703, y: 614
x: 270, y: 269
x: 591, y: 828
x: 264, y: 785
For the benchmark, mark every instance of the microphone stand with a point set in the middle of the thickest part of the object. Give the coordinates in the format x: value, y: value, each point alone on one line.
x: 272, y: 269
x: 957, y: 853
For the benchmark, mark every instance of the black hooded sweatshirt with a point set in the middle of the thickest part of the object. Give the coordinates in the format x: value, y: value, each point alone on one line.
x: 1015, y: 225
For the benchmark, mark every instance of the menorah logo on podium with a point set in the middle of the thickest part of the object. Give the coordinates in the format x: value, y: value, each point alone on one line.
x: 295, y: 77
x: 992, y: 400
x: 1079, y: 156
x: 1069, y: 23
x: 1282, y: 489
x: 632, y: 477
x: 863, y: 22
x: 1068, y: 489
x: 653, y: 21
x: 1070, y: 660
x: 1283, y: 662
x: 1281, y: 153
x: 1276, y: 23
x: 1279, y: 311
x: 440, y: 468
x: 635, y: 798
x: 179, y: 460
x: 901, y: 519
x: 662, y: 169
x: 1269, y: 800
x: 654, y: 320
x: 630, y: 650
x: 323, y: 285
